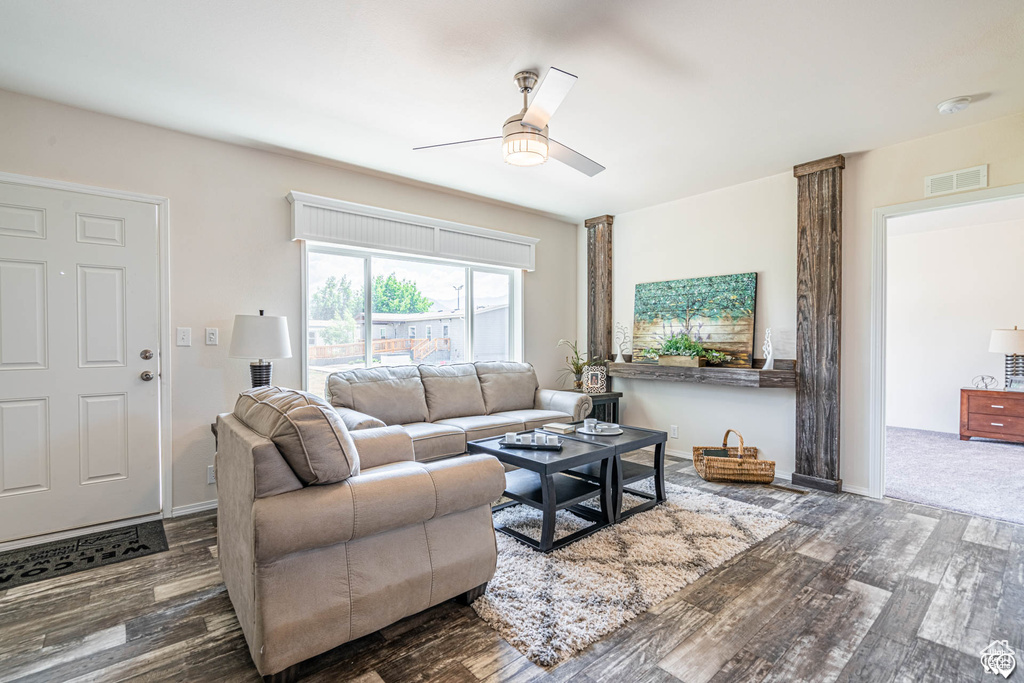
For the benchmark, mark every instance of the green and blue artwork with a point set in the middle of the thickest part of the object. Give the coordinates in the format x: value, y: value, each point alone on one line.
x: 717, y: 311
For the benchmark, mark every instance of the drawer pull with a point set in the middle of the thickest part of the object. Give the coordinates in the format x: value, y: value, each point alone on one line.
x: 997, y: 424
x: 1000, y: 407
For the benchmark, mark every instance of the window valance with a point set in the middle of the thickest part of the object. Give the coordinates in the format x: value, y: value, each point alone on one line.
x: 333, y: 221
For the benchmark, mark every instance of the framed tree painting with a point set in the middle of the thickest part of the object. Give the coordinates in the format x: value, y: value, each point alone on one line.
x: 717, y: 311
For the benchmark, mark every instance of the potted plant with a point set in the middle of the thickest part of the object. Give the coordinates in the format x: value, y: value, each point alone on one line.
x: 625, y: 343
x: 681, y: 351
x: 574, y: 362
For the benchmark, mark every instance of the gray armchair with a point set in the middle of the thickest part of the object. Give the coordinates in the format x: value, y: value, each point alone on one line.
x: 309, y: 567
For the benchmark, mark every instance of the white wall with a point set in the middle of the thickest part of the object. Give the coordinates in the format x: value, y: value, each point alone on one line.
x: 947, y: 290
x: 753, y: 227
x: 230, y: 246
x: 748, y: 227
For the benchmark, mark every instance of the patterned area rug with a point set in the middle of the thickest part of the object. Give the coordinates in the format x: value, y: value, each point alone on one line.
x: 550, y: 606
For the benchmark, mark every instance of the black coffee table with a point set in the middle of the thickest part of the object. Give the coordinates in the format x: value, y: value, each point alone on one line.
x: 626, y: 472
x: 542, y: 483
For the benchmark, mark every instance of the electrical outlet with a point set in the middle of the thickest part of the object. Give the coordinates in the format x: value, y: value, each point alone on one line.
x: 211, y: 475
x: 211, y: 336
x: 184, y: 337
x: 673, y: 431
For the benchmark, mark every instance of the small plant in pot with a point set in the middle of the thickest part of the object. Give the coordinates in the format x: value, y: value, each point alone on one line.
x: 574, y: 362
x: 681, y: 351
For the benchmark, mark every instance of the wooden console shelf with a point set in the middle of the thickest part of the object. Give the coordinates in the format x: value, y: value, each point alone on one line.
x: 783, y: 376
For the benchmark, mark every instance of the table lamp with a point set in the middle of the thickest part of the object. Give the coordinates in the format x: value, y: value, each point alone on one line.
x: 260, y: 337
x: 1010, y: 343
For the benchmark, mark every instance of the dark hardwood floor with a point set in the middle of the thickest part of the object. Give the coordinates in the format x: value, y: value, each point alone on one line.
x: 854, y: 590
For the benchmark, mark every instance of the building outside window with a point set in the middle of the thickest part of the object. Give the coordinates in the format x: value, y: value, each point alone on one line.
x: 412, y: 331
x: 430, y: 332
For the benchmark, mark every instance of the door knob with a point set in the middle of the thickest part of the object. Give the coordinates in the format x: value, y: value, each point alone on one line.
x: 146, y: 354
x: 147, y: 376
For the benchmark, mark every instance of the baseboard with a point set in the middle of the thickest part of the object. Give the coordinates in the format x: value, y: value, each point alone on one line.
x: 183, y: 510
x: 857, y: 490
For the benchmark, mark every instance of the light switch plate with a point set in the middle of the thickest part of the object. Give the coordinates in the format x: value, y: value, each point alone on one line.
x: 184, y: 337
x: 211, y: 336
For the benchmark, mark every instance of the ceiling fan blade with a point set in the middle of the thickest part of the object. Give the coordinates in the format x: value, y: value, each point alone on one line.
x: 460, y: 142
x: 549, y: 96
x: 570, y: 157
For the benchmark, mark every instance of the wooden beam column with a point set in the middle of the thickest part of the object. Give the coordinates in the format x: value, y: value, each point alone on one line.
x: 599, y: 287
x: 818, y: 315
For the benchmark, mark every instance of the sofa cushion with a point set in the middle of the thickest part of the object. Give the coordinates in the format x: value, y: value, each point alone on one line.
x: 532, y: 419
x: 430, y: 441
x: 484, y: 426
x: 393, y: 395
x: 507, y: 386
x: 311, y: 437
x: 452, y: 391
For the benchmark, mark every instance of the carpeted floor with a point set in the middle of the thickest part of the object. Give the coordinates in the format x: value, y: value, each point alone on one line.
x: 549, y: 606
x: 979, y: 477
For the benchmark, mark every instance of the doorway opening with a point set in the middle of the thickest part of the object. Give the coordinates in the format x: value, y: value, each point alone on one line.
x: 947, y: 275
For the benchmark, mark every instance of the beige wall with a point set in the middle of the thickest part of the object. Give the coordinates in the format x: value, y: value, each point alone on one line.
x: 230, y: 246
x: 744, y: 228
x: 946, y: 291
x: 752, y: 227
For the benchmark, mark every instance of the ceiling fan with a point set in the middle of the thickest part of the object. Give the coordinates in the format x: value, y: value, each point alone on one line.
x: 524, y: 137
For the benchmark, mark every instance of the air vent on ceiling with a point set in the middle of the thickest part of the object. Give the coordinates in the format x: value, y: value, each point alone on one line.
x: 956, y: 181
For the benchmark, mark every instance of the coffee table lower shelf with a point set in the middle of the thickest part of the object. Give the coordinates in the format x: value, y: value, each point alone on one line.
x: 528, y: 488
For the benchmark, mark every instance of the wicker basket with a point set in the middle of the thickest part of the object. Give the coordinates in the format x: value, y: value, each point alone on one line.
x: 742, y: 467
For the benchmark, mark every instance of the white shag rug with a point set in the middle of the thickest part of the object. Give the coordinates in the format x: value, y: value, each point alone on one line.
x: 549, y: 606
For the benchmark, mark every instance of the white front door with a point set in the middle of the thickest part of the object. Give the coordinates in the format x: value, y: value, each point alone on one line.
x: 79, y: 307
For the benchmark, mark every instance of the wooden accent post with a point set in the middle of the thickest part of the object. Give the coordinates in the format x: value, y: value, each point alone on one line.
x: 599, y: 287
x: 818, y: 315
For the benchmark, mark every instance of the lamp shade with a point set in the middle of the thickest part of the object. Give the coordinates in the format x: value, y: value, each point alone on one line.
x: 259, y: 337
x: 1008, y: 342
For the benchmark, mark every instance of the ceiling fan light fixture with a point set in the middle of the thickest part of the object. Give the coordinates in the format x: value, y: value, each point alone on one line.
x: 523, y: 145
x: 525, y: 149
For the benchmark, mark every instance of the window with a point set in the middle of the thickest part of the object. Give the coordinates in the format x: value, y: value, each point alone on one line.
x: 492, y: 296
x: 474, y: 307
x: 334, y: 316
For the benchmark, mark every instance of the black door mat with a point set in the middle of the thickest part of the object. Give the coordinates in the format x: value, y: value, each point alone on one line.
x: 99, y: 549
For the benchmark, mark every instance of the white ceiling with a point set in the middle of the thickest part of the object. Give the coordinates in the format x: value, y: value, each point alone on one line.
x: 674, y: 97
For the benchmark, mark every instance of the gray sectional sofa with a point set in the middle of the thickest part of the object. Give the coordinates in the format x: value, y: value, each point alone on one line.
x: 444, y: 406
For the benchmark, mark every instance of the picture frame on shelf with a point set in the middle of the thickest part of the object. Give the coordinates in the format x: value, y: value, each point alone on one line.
x: 595, y: 379
x: 1015, y: 383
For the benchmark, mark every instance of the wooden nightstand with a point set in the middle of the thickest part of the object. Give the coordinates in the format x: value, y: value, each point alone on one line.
x: 992, y: 415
